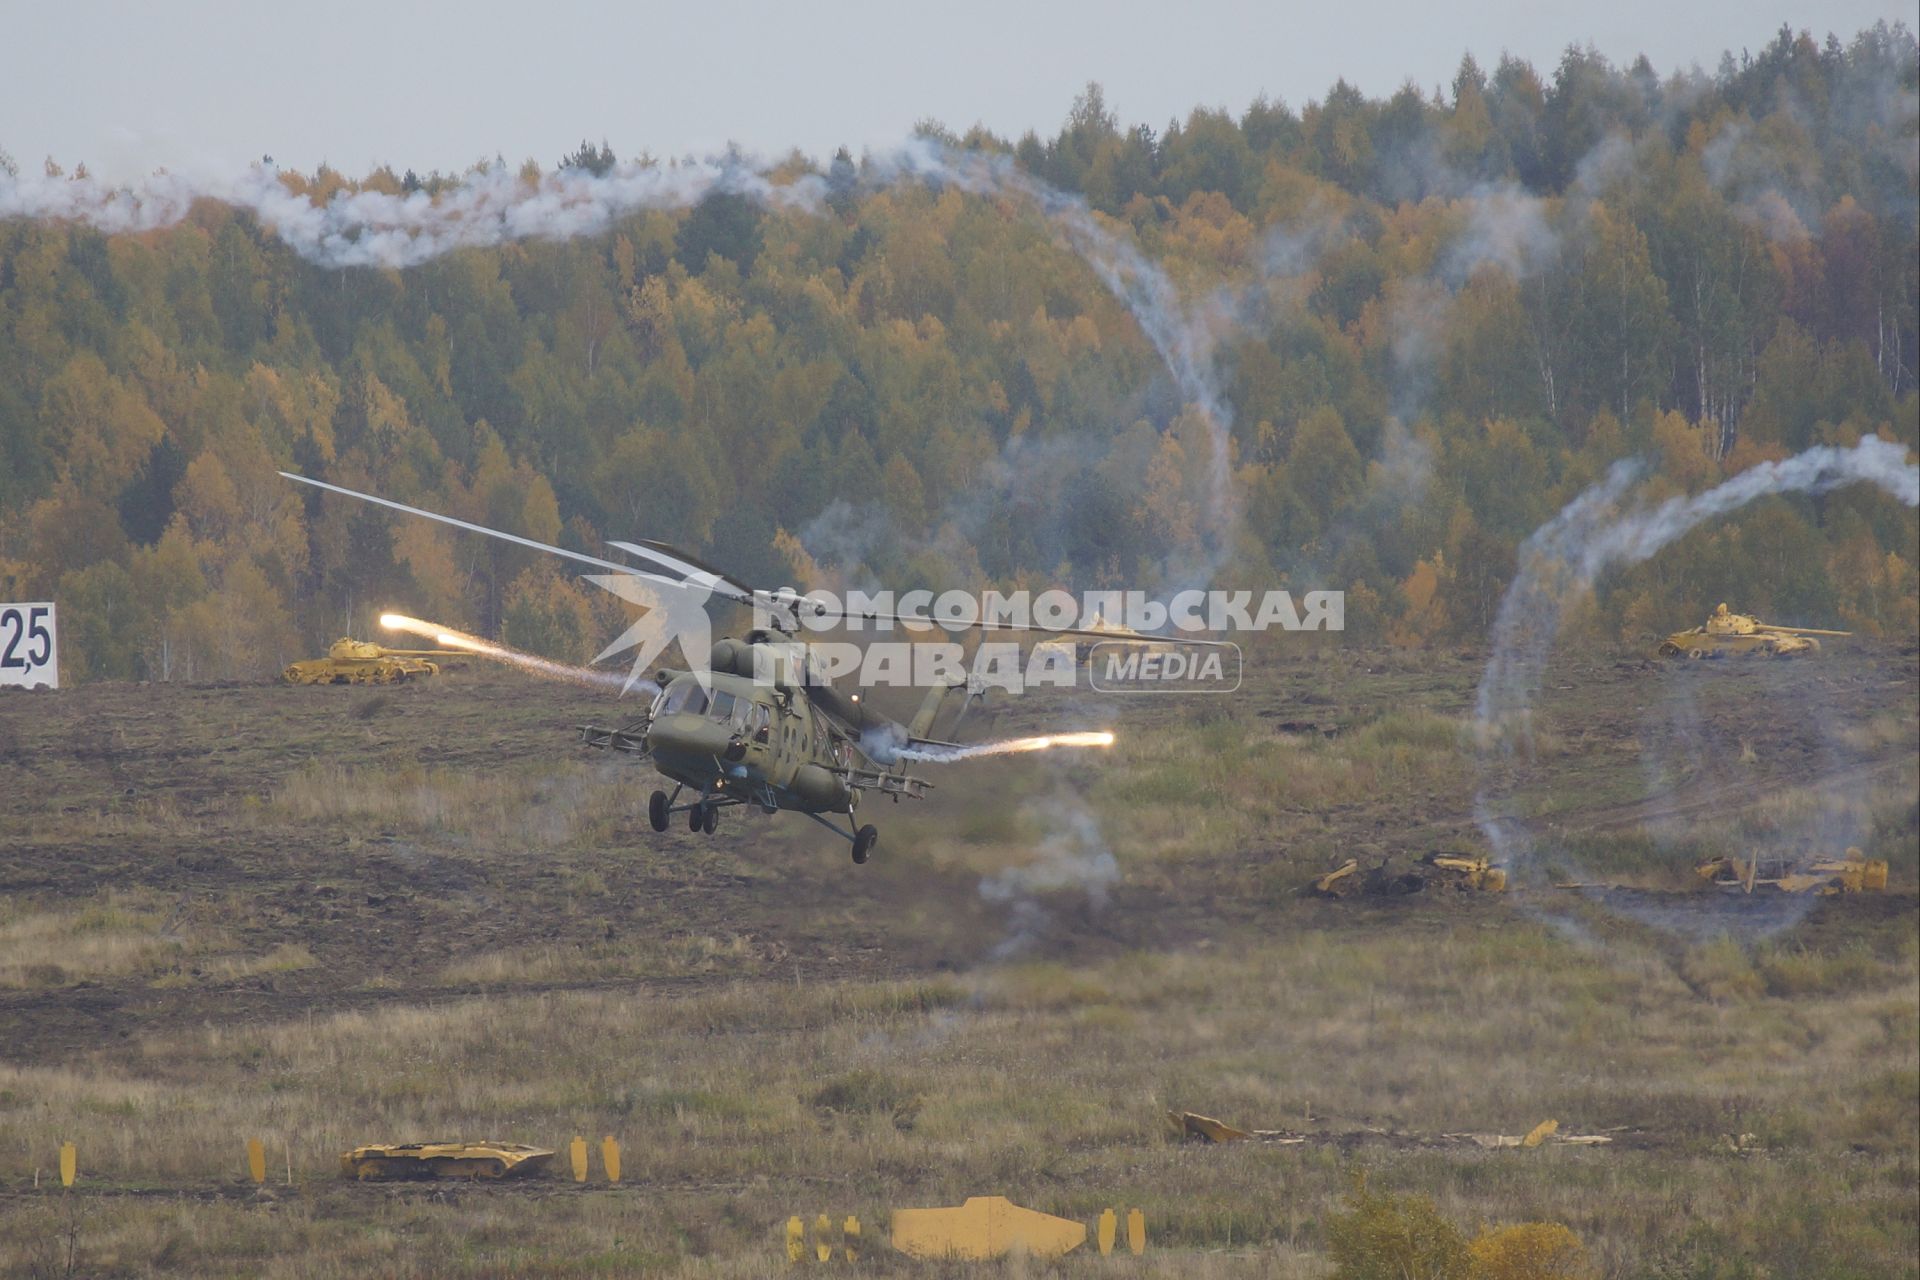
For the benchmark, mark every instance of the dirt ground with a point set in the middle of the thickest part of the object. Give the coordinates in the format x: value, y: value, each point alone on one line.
x: 168, y: 790
x: 481, y: 829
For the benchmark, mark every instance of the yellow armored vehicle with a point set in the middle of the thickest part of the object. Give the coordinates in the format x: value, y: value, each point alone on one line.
x: 442, y: 1160
x: 1827, y: 877
x: 1732, y: 634
x: 1435, y: 872
x: 350, y: 661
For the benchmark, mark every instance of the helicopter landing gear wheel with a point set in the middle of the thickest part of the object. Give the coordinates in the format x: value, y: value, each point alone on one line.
x: 657, y: 810
x: 1696, y: 654
x: 863, y: 842
x: 710, y: 820
x: 696, y: 816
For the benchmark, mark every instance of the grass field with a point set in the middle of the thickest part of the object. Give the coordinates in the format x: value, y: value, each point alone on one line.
x: 324, y: 917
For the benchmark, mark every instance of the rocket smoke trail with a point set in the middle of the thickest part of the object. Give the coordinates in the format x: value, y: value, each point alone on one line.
x: 1185, y: 339
x: 534, y: 664
x: 376, y: 229
x: 1595, y: 534
x: 497, y: 205
x: 1600, y: 531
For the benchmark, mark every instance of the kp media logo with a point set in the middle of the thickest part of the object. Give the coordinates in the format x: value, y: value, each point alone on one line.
x: 1171, y: 666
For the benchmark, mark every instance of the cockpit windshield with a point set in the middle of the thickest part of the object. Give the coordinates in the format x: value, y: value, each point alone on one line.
x: 684, y: 694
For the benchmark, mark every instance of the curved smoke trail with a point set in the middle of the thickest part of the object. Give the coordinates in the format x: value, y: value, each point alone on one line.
x: 1602, y: 530
x: 1185, y: 338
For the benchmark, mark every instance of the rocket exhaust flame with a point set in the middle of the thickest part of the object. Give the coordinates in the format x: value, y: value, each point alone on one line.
x: 1007, y: 746
x: 528, y: 662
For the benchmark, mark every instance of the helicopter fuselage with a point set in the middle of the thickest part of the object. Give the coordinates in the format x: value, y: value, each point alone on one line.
x: 743, y: 742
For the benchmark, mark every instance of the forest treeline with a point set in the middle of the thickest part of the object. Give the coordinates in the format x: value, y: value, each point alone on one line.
x: 1431, y: 319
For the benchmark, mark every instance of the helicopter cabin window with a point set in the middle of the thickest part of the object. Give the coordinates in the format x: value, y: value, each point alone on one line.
x: 722, y: 705
x: 762, y: 723
x: 685, y: 696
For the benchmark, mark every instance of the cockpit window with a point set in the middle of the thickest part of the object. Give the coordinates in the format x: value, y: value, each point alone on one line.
x: 684, y: 695
x: 722, y: 705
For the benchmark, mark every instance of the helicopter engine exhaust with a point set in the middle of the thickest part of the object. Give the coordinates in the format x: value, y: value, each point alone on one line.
x: 447, y: 638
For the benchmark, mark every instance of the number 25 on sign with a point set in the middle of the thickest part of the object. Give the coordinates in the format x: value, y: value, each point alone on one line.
x: 29, y: 646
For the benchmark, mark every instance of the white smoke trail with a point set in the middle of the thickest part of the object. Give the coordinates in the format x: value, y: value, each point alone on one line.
x: 497, y: 205
x: 1186, y: 339
x: 1072, y: 855
x: 377, y: 229
x: 1600, y: 531
x: 1594, y: 534
x: 534, y: 664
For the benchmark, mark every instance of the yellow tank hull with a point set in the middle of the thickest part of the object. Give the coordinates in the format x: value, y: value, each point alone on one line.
x: 983, y: 1228
x: 442, y: 1160
x: 1853, y: 872
x: 351, y: 661
x: 1697, y: 643
x: 1729, y: 634
x: 358, y: 670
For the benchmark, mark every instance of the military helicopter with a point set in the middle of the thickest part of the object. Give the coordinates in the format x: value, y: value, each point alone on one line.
x: 758, y: 728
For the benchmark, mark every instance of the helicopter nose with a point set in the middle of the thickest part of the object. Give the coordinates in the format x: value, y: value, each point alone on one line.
x: 688, y: 735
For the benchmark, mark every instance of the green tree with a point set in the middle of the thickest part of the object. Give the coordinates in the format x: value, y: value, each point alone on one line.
x: 1624, y: 329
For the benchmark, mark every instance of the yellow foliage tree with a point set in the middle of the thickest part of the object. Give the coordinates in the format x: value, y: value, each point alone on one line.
x: 1530, y: 1251
x: 102, y: 427
x: 1686, y: 450
x: 1426, y: 591
x: 549, y: 614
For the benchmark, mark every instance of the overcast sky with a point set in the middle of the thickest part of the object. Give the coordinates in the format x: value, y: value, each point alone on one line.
x: 201, y: 85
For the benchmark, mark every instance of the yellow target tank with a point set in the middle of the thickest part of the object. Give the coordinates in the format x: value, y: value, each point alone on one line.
x: 1728, y: 634
x: 350, y: 661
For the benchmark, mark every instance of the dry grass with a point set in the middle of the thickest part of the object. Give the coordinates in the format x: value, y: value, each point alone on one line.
x: 425, y: 891
x: 1888, y: 729
x: 536, y: 805
x: 678, y: 957
x: 1184, y: 790
x: 117, y: 934
x: 143, y: 936
x: 747, y: 1102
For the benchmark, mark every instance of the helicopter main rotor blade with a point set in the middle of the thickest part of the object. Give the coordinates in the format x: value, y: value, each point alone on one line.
x: 715, y: 581
x: 725, y: 587
x: 480, y: 528
x: 668, y: 554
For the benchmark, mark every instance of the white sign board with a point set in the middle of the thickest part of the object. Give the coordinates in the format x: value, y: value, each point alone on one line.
x: 29, y: 647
